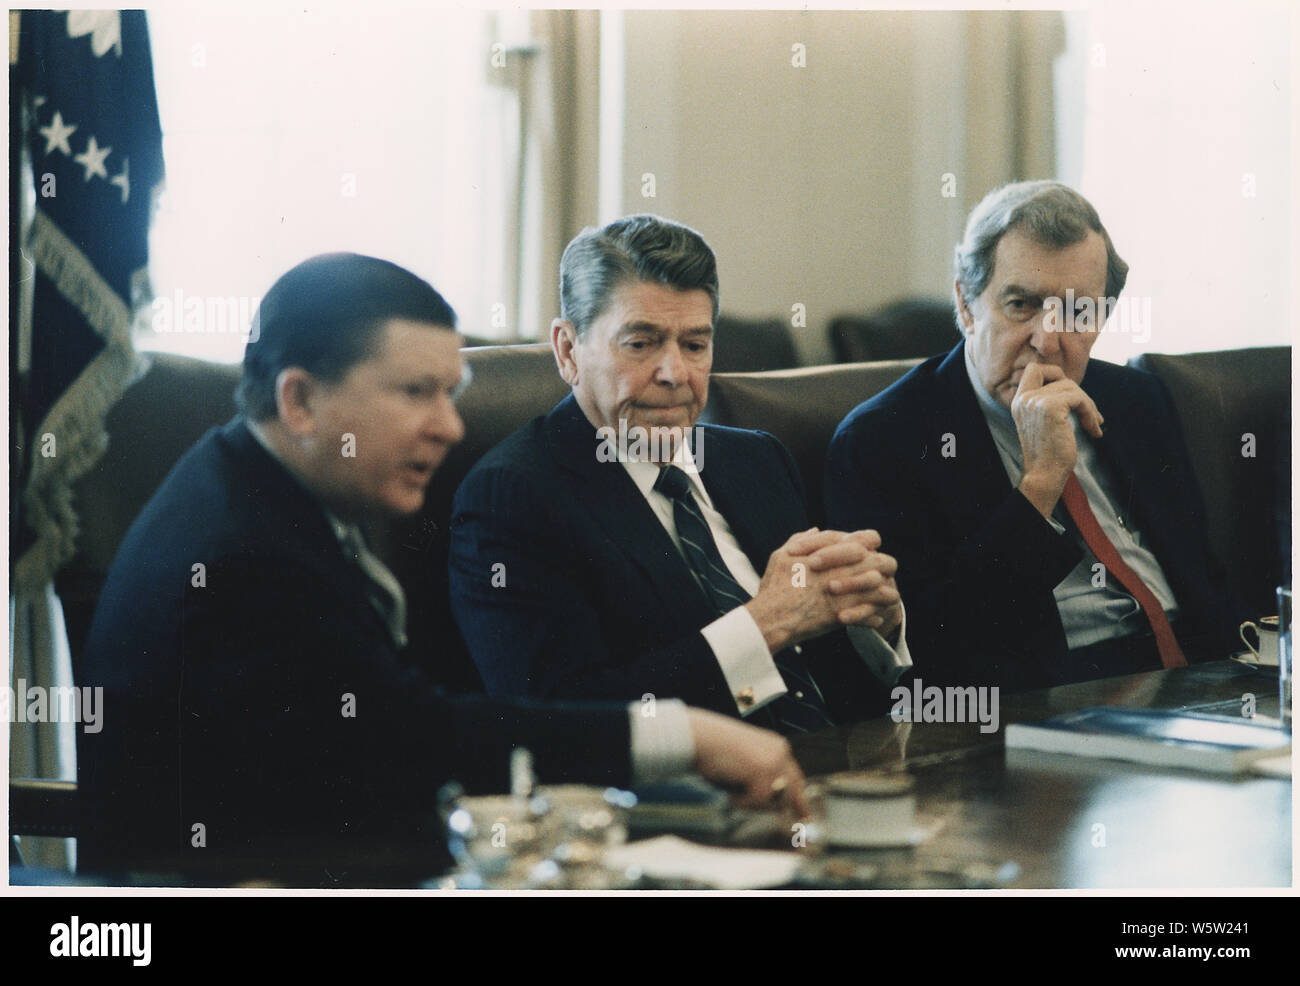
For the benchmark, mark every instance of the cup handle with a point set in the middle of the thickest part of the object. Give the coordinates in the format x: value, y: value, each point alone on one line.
x: 1241, y: 632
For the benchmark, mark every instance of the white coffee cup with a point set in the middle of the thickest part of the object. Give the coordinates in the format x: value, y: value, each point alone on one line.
x: 1265, y: 632
x: 870, y: 808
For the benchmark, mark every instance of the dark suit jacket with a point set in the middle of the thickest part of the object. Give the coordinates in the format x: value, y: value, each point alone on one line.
x: 977, y: 562
x: 225, y: 689
x: 566, y: 585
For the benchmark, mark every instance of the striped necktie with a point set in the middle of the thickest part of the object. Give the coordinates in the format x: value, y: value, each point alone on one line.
x: 802, y: 709
x: 385, y: 591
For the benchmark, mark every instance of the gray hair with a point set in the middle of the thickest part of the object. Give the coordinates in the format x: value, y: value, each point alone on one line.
x: 1049, y: 212
x: 634, y: 248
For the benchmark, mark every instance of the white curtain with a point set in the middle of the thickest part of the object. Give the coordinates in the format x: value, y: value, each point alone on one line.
x: 555, y: 83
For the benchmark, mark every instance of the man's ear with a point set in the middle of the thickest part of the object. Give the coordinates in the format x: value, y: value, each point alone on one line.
x: 963, y: 309
x: 564, y: 339
x: 294, y: 390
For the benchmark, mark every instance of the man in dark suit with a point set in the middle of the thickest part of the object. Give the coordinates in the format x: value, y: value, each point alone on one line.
x: 584, y: 565
x: 259, y: 719
x: 1042, y: 506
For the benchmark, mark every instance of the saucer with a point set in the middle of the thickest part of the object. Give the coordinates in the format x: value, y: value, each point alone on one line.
x: 1251, y: 661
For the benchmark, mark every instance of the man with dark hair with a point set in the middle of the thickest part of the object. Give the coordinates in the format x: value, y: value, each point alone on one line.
x: 324, y: 315
x: 1042, y: 506
x: 259, y: 718
x: 613, y: 549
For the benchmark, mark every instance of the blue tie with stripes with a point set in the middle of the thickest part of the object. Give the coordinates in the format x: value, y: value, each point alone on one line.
x: 802, y: 709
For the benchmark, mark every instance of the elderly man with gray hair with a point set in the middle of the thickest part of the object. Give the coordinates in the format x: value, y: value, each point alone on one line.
x: 1041, y: 505
x: 590, y: 558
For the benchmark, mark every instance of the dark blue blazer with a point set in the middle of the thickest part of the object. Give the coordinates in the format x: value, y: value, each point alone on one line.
x: 977, y: 562
x: 225, y: 690
x: 565, y: 584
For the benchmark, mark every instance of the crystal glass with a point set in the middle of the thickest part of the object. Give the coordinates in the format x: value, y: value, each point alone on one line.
x: 1285, y: 667
x: 554, y: 838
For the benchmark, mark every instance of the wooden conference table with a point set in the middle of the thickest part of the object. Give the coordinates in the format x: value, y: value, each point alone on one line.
x: 1012, y: 818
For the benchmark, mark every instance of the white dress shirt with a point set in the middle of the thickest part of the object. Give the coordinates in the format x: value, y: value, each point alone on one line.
x: 734, y: 637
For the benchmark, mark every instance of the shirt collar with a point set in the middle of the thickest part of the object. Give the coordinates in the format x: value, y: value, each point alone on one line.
x: 644, y: 474
x: 342, y: 530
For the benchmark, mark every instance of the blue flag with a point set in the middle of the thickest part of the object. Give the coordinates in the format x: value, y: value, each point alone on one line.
x: 94, y: 144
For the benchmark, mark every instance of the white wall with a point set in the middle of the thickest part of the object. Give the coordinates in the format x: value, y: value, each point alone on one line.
x: 821, y: 185
x: 1187, y: 156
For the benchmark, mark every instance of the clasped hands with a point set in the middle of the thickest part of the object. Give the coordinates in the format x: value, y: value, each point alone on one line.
x: 819, y: 580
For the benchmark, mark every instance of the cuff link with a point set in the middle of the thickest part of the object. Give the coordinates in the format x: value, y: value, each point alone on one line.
x: 745, y: 697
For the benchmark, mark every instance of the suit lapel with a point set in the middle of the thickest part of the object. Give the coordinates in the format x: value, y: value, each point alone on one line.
x: 281, y: 504
x: 1124, y: 447
x: 607, y: 496
x: 741, y: 490
x: 973, y: 481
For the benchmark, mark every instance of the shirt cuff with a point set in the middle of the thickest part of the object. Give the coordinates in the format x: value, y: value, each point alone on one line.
x: 661, y: 743
x: 746, y: 663
x: 885, y: 662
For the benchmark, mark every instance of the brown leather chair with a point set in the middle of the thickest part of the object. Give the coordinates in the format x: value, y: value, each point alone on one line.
x: 801, y: 407
x: 177, y: 400
x: 903, y: 329
x: 180, y: 398
x: 472, y: 342
x: 1222, y: 398
x: 743, y: 345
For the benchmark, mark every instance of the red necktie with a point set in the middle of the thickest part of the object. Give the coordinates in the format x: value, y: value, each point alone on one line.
x: 1076, y: 502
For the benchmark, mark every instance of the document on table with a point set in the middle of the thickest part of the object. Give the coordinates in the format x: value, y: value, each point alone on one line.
x: 1278, y: 766
x: 669, y: 857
